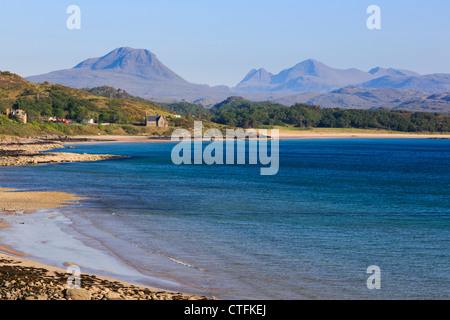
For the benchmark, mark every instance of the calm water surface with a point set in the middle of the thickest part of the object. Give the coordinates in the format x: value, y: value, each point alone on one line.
x: 335, y: 207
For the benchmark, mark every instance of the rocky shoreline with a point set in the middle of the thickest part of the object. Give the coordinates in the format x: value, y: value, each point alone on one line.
x: 28, y: 151
x: 21, y: 281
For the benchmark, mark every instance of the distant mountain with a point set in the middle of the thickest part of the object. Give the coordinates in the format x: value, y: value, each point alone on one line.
x: 137, y: 62
x: 309, y: 75
x: 432, y: 83
x: 314, y: 76
x: 372, y: 98
x: 381, y: 72
x: 259, y: 80
x: 138, y: 71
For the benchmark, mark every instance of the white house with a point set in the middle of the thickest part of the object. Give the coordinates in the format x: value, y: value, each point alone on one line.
x: 88, y: 121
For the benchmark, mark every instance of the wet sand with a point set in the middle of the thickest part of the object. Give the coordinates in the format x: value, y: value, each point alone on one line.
x: 7, y: 249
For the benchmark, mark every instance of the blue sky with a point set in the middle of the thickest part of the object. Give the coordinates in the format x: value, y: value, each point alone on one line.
x: 219, y: 41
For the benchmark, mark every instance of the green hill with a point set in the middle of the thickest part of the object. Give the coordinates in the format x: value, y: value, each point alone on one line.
x: 113, y: 111
x: 240, y: 112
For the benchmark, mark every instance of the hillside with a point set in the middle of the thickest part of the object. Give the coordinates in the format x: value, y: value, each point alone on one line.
x: 240, y: 112
x: 114, y: 111
x: 109, y: 92
x: 41, y: 101
x: 46, y: 99
x: 237, y: 111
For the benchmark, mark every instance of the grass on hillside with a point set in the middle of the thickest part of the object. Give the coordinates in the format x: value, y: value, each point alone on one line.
x: 9, y: 127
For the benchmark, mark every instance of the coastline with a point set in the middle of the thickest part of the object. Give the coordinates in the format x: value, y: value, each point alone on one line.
x: 29, y: 151
x: 23, y: 278
x: 312, y: 135
x: 283, y: 135
x: 124, y: 139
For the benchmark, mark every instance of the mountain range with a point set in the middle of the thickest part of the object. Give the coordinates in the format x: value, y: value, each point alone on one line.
x: 139, y: 72
x: 314, y: 76
x: 353, y: 97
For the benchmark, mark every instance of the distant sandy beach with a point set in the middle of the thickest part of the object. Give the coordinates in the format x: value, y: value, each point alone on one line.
x: 310, y: 135
x: 282, y: 135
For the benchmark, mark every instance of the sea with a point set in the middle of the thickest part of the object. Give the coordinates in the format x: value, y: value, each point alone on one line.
x: 343, y: 218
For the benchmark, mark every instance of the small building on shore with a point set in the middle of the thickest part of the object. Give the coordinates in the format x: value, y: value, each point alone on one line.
x: 156, y: 121
x: 22, y: 115
x: 49, y: 119
x: 88, y: 121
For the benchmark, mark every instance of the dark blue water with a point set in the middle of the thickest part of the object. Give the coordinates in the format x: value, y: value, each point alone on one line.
x: 335, y: 207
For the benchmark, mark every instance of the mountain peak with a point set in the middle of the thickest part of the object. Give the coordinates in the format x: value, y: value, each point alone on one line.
x: 308, y: 67
x: 258, y: 75
x: 375, y: 70
x: 255, y: 77
x: 129, y: 60
x: 310, y: 62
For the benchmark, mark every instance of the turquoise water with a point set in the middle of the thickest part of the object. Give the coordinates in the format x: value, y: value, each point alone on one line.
x: 335, y: 207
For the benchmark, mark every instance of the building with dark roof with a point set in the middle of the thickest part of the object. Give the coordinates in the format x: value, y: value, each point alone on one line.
x: 156, y: 121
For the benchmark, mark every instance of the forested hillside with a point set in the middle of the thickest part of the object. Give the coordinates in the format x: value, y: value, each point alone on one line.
x: 239, y: 112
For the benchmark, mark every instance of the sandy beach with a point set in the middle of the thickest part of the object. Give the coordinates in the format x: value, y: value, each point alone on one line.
x: 25, y: 279
x: 22, y: 278
x: 283, y: 135
x: 17, y: 200
x: 312, y: 135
